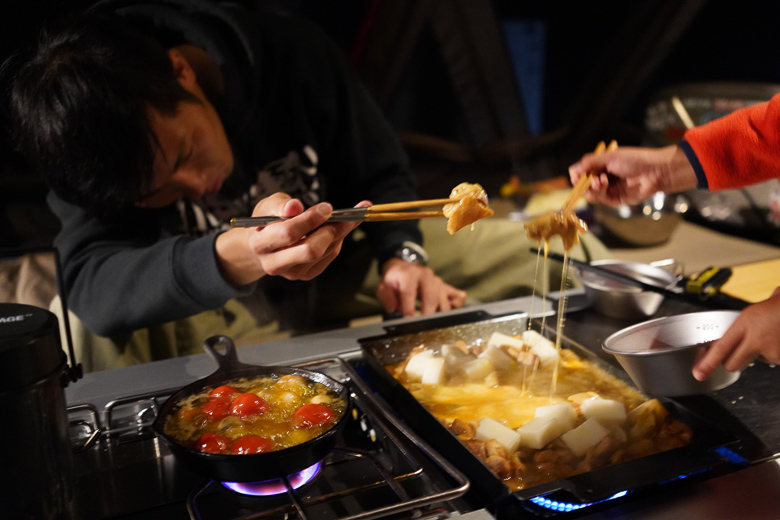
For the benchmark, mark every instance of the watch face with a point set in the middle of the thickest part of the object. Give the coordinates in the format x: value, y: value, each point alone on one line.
x: 412, y: 253
x: 410, y: 256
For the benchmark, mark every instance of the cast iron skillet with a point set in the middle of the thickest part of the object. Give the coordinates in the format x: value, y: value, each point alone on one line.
x: 260, y: 466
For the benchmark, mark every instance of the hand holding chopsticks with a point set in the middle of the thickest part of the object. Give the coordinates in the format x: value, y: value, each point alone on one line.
x: 375, y: 213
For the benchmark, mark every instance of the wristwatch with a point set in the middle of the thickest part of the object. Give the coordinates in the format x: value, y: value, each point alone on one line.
x: 412, y: 253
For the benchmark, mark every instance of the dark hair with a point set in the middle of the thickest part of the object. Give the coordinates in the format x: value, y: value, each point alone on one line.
x: 79, y: 109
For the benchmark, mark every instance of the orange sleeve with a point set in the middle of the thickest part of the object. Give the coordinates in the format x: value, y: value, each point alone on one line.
x: 739, y: 149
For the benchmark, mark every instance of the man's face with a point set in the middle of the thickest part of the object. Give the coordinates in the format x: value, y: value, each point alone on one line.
x: 194, y: 156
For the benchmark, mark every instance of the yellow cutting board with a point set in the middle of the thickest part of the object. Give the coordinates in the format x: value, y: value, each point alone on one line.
x: 753, y: 282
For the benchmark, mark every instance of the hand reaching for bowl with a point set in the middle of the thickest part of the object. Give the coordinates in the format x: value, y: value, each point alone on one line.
x: 754, y: 335
x: 628, y: 175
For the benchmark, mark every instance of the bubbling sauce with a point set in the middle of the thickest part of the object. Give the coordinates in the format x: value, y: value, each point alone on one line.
x: 252, y: 415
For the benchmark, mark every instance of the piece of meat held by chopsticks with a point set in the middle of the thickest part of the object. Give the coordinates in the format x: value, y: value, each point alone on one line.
x: 466, y: 204
x: 471, y: 206
x: 565, y: 223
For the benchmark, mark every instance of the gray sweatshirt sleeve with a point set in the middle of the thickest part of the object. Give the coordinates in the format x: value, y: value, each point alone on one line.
x: 126, y: 274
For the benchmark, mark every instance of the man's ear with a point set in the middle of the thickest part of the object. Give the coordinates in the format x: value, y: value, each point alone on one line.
x: 182, y: 69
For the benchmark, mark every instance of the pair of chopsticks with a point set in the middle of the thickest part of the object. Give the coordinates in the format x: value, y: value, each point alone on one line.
x: 375, y: 213
x: 583, y: 183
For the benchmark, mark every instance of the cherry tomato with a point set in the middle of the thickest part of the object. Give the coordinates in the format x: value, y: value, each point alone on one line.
x: 186, y: 414
x: 212, y: 443
x: 248, y: 404
x: 313, y: 414
x: 223, y: 391
x: 251, y: 444
x: 216, y: 408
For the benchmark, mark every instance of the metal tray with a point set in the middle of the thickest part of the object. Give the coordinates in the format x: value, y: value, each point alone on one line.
x: 704, y: 455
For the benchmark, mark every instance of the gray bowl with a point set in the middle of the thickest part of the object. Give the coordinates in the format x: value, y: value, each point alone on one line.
x: 659, y: 354
x: 648, y: 223
x: 619, y: 300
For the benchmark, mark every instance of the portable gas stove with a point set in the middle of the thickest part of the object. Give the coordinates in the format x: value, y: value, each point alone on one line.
x: 386, y: 467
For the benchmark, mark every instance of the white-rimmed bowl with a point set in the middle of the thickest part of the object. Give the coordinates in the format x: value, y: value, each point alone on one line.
x: 659, y: 354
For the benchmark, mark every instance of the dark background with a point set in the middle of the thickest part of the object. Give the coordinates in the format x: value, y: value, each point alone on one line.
x: 443, y: 72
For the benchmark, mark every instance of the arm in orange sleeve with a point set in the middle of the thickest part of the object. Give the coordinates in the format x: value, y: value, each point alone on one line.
x: 738, y: 149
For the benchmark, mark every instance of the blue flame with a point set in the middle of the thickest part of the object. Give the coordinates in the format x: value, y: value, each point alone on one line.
x: 275, y: 486
x: 732, y: 456
x: 565, y: 507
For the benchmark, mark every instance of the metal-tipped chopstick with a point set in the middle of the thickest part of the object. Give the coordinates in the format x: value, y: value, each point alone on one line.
x: 375, y: 213
x: 363, y: 216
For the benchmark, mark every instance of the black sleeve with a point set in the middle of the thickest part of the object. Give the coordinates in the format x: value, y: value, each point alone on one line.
x: 125, y: 274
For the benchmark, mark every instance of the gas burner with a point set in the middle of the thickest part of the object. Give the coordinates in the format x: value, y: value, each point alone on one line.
x: 275, y: 486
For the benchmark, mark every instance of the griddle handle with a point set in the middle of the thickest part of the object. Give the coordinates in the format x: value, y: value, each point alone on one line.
x: 436, y: 323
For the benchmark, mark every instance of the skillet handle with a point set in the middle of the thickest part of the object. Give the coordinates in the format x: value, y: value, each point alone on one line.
x: 226, y: 361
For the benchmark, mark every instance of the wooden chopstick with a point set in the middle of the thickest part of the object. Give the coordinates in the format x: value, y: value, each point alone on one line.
x: 404, y: 215
x: 412, y: 204
x: 361, y: 216
x: 583, y: 183
x: 375, y: 213
x: 396, y: 206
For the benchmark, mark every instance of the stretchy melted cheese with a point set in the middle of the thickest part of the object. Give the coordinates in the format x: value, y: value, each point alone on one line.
x: 499, y: 399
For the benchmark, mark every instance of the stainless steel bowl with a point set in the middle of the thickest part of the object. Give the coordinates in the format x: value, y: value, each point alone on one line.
x: 619, y: 300
x: 659, y: 354
x: 648, y: 223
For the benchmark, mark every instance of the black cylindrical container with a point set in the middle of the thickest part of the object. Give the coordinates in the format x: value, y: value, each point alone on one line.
x: 35, y: 453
